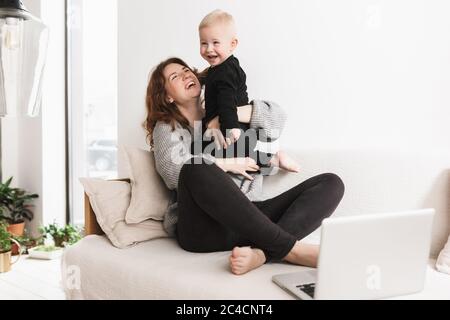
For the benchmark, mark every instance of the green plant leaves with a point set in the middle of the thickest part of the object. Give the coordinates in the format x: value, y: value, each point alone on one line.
x: 5, y: 239
x: 62, y: 236
x: 15, y: 203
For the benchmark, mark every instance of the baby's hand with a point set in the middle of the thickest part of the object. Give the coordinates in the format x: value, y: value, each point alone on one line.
x: 233, y: 136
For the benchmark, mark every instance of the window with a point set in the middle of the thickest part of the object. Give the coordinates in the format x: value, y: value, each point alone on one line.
x: 92, y: 91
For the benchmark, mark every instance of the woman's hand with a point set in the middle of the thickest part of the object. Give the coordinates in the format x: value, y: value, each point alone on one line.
x: 234, y: 136
x: 238, y: 166
x: 213, y: 131
x: 220, y: 141
x: 218, y: 138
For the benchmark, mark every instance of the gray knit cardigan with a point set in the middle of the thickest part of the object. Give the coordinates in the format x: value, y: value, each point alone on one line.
x: 172, y: 150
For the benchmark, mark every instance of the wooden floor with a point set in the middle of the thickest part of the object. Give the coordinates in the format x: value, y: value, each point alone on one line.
x: 32, y: 279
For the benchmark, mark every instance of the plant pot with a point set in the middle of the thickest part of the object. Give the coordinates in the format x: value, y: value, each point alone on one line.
x: 35, y: 253
x: 16, y: 229
x: 14, y: 249
x: 5, y: 260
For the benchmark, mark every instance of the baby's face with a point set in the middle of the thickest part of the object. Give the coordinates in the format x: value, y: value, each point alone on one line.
x: 217, y: 44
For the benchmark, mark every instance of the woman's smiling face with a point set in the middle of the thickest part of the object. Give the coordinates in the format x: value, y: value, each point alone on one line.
x: 181, y: 84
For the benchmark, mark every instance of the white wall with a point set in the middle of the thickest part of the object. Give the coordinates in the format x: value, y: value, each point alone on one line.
x: 349, y: 73
x: 53, y: 117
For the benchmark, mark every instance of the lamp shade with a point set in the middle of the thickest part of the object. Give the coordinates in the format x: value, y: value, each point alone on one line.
x: 23, y: 50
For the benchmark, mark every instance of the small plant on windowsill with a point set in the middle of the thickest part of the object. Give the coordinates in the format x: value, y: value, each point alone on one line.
x: 54, y: 239
x: 26, y: 243
x: 62, y: 236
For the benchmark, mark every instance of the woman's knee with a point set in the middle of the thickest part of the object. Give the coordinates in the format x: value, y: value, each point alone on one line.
x: 189, y: 246
x: 335, y: 183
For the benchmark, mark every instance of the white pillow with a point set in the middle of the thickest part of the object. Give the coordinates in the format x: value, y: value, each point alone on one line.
x: 149, y: 197
x: 443, y: 261
x: 110, y: 201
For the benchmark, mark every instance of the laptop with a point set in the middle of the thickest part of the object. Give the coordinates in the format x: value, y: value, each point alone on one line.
x: 367, y: 257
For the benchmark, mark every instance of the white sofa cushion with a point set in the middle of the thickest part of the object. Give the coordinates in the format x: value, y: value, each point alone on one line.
x: 110, y: 201
x: 149, y: 195
x: 160, y: 269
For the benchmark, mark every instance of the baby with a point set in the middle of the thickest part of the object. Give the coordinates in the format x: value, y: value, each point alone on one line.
x: 225, y: 84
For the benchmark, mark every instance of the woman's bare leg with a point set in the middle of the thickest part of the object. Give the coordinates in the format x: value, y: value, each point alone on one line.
x: 303, y: 254
x: 243, y: 260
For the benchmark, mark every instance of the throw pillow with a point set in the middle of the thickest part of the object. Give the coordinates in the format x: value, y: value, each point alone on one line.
x: 110, y: 201
x: 150, y: 196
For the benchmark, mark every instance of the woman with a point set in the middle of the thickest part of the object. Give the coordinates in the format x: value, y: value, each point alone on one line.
x: 217, y: 206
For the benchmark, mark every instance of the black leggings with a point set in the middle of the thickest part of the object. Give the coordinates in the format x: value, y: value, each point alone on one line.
x: 214, y: 215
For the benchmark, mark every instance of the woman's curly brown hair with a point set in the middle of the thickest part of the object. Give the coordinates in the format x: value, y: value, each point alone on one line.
x: 158, y: 108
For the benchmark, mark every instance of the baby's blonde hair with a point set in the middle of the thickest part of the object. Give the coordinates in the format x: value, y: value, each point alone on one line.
x: 218, y: 17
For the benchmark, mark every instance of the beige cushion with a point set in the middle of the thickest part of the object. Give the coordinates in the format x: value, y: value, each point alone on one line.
x: 110, y: 201
x: 149, y: 197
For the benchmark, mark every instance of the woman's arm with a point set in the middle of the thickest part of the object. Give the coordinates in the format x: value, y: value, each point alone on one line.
x: 269, y: 117
x: 244, y: 115
x: 172, y: 149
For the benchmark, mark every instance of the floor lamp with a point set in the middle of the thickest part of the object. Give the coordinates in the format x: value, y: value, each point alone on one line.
x: 23, y: 51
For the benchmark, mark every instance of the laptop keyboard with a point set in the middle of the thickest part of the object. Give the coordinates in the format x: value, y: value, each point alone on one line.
x: 308, y: 288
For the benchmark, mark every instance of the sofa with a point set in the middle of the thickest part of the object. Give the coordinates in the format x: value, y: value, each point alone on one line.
x: 377, y: 181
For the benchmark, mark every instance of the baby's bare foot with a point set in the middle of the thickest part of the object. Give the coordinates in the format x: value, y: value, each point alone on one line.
x: 243, y: 260
x: 284, y: 161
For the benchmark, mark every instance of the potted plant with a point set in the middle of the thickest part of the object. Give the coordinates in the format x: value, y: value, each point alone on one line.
x: 15, y: 207
x: 62, y: 236
x: 5, y: 249
x: 25, y: 242
x: 54, y: 239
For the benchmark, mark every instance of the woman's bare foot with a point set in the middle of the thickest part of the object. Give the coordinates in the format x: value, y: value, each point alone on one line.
x: 304, y: 254
x: 284, y: 161
x: 243, y: 260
